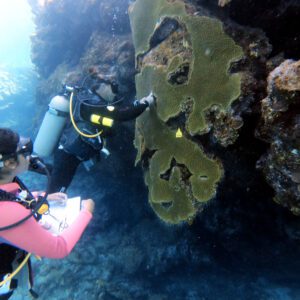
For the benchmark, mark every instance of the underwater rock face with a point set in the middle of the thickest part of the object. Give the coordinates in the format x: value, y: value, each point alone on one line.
x: 73, y: 37
x: 277, y: 18
x: 184, y: 60
x: 281, y: 128
x: 237, y: 247
x: 60, y: 25
x: 111, y: 56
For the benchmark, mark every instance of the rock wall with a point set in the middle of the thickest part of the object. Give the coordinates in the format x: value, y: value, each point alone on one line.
x: 213, y: 61
x: 280, y: 127
x: 237, y: 241
x: 71, y: 38
x: 206, y: 78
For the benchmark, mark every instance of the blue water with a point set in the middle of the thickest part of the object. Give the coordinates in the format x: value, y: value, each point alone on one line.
x: 17, y: 76
x: 135, y: 253
x: 16, y: 26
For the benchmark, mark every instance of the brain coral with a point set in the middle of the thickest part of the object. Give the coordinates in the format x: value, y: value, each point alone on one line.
x: 179, y: 175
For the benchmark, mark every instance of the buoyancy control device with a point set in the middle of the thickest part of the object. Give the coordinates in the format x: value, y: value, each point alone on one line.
x: 61, y: 111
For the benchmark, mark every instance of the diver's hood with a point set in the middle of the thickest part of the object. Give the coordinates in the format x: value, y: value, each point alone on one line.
x: 105, y: 92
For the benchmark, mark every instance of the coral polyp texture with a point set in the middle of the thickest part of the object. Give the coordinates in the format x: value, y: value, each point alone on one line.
x: 184, y: 60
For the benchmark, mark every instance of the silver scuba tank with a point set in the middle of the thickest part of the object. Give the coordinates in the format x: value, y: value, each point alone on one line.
x: 52, y: 126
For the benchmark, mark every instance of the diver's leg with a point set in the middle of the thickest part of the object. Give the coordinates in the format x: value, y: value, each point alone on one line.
x: 64, y: 169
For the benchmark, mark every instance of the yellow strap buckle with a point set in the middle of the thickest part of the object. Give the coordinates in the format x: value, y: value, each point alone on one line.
x: 43, y: 209
x: 97, y: 119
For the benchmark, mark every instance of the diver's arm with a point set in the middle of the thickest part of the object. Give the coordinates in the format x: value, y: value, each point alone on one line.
x: 122, y: 113
x: 32, y: 237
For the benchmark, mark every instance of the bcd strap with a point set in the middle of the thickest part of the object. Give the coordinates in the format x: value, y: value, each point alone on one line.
x: 6, y: 196
x: 8, y: 191
x: 11, y: 187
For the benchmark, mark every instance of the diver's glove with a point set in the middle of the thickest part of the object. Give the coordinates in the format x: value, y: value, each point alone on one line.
x: 149, y: 100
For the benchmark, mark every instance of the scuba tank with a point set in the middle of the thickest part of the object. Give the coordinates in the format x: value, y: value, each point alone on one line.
x: 60, y: 108
x: 52, y: 126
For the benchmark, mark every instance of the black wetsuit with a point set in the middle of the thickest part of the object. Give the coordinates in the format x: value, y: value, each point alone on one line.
x: 74, y: 148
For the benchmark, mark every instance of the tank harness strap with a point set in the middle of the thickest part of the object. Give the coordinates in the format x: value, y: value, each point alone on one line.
x: 11, y: 187
x: 58, y: 113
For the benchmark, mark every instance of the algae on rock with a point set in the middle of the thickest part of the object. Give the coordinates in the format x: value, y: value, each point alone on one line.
x: 180, y: 176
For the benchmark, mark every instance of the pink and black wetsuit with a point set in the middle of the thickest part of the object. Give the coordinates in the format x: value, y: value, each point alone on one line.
x: 32, y: 237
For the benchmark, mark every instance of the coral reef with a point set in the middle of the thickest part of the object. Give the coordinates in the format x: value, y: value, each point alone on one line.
x: 180, y: 176
x: 281, y: 128
x: 242, y: 245
x: 72, y: 38
x: 189, y: 73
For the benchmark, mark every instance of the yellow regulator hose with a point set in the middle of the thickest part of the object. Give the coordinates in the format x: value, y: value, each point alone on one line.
x: 16, y: 271
x: 74, y: 124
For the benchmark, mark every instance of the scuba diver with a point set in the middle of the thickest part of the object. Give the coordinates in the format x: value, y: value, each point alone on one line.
x: 80, y: 118
x: 21, y: 233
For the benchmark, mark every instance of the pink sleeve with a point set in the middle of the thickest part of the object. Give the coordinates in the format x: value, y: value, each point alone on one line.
x: 32, y: 237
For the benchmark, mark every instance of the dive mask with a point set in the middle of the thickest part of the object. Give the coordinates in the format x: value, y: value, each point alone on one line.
x: 25, y: 147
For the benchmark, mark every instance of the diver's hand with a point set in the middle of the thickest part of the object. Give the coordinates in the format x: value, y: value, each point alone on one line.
x: 59, y: 197
x: 89, y: 205
x: 149, y: 100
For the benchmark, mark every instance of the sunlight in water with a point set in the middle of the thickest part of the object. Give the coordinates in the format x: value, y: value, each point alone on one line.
x: 44, y: 2
x: 16, y: 25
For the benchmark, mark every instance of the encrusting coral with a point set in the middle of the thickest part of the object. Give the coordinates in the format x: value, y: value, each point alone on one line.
x: 188, y: 75
x: 180, y: 176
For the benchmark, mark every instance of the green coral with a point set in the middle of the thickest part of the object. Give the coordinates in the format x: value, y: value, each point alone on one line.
x: 180, y: 176
x: 177, y: 198
x: 145, y: 15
